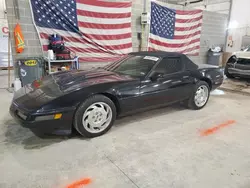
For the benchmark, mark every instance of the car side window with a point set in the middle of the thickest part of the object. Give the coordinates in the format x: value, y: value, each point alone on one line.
x: 169, y: 65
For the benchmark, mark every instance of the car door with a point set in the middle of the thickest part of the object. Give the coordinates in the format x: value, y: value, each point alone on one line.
x: 175, y: 84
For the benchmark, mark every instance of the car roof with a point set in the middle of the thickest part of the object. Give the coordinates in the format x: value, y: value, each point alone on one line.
x: 158, y: 53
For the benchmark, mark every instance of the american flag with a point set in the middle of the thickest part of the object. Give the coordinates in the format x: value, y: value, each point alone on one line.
x: 96, y: 30
x: 175, y: 30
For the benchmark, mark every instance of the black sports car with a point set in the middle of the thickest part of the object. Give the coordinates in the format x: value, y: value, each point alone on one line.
x: 238, y: 65
x: 91, y: 100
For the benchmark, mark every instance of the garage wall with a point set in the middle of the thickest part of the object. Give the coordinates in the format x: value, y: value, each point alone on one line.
x: 33, y: 47
x: 213, y: 26
x: 2, y: 8
x: 219, y: 6
x: 3, y: 36
x: 215, y: 22
x: 239, y: 23
x: 213, y: 31
x: 32, y: 43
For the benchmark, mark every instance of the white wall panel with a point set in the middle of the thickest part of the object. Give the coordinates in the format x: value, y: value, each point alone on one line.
x: 240, y: 23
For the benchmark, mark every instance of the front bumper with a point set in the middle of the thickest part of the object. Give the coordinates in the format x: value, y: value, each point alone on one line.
x: 239, y: 72
x: 62, y: 126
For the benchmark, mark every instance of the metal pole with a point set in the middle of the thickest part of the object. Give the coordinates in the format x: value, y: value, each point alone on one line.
x: 16, y: 9
x: 144, y: 5
x: 9, y: 85
x: 143, y: 29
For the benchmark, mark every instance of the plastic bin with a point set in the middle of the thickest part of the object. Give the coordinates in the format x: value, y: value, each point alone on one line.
x: 30, y: 69
x: 214, y: 58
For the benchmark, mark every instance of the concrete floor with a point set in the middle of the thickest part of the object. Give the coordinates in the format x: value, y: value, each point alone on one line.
x: 237, y: 85
x: 4, y: 78
x: 155, y: 149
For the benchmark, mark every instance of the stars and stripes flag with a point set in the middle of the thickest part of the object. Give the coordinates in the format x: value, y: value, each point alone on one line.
x: 175, y: 30
x: 96, y: 30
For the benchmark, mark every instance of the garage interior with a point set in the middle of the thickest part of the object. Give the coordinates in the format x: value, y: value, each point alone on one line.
x: 164, y: 147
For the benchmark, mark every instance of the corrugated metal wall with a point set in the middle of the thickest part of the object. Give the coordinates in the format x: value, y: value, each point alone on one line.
x: 213, y: 33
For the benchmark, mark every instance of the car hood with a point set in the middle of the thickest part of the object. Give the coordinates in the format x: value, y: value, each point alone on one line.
x: 35, y: 95
x: 243, y: 55
x: 74, y: 80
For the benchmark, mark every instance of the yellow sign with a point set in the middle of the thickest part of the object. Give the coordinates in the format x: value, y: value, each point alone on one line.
x: 30, y: 63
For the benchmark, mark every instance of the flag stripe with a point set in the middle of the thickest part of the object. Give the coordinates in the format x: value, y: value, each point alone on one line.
x: 180, y: 49
x: 102, y: 9
x: 188, y: 17
x: 82, y: 40
x: 104, y: 20
x: 90, y: 55
x: 175, y: 45
x: 180, y: 20
x: 176, y: 41
x: 114, y: 49
x: 106, y: 4
x: 187, y: 32
x: 188, y: 28
x: 188, y: 12
x: 196, y: 33
x: 97, y: 37
x: 190, y: 54
x: 105, y: 31
x: 78, y: 47
x: 108, y: 37
x: 84, y: 50
x: 103, y: 15
x: 187, y: 24
x: 104, y: 26
x: 192, y: 51
x: 97, y: 59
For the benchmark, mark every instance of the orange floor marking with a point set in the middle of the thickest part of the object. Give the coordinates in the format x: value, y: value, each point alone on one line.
x: 212, y: 130
x: 79, y: 183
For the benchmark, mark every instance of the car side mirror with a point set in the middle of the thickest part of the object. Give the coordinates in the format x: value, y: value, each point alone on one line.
x: 156, y: 76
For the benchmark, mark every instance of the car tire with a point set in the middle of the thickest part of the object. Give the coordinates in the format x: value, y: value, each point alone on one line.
x: 193, y: 102
x: 95, y: 116
x: 227, y: 73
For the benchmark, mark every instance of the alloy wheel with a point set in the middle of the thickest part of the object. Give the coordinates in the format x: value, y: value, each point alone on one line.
x: 97, y: 117
x: 201, y: 96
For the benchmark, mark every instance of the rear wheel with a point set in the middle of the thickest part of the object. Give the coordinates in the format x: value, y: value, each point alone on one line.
x: 95, y: 116
x: 199, y: 96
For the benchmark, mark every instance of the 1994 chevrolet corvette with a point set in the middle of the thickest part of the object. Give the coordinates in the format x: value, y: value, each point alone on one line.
x: 91, y: 100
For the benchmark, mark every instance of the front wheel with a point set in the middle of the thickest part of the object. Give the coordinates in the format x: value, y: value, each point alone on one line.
x: 200, y: 96
x: 95, y: 116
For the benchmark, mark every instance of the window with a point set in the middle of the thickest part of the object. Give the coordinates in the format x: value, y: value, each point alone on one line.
x: 189, y: 65
x: 169, y: 65
x: 137, y: 66
x: 247, y: 49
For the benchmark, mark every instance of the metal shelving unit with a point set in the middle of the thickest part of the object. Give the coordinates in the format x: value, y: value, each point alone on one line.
x: 74, y: 64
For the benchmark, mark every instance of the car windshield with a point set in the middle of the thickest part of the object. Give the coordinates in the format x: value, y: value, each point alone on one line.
x: 247, y: 49
x: 132, y: 65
